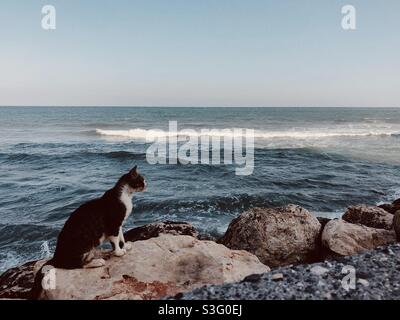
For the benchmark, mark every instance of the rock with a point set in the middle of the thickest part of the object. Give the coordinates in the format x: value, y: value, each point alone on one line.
x: 280, y: 236
x: 391, y: 207
x: 318, y: 270
x: 17, y: 282
x: 363, y: 282
x: 396, y: 224
x: 396, y: 205
x: 369, y: 216
x: 277, y: 277
x: 347, y: 239
x: 155, y: 229
x: 388, y: 207
x: 155, y: 268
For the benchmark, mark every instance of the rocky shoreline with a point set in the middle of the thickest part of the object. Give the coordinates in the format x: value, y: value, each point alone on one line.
x: 266, y: 253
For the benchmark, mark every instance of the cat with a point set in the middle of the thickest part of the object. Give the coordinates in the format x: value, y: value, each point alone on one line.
x: 91, y: 224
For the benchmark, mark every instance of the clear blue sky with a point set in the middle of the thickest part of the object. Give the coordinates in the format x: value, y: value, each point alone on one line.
x: 200, y: 53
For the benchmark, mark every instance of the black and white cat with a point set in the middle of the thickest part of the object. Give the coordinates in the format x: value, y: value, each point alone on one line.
x: 92, y: 224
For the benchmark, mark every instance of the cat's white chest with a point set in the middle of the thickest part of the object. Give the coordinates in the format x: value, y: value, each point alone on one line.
x: 126, y: 199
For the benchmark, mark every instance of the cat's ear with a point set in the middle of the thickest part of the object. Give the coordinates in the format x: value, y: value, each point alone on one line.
x: 134, y: 172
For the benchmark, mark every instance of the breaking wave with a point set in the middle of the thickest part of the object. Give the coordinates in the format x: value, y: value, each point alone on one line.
x: 143, y: 134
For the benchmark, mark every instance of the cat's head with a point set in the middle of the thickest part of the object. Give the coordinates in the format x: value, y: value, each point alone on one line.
x: 135, y: 180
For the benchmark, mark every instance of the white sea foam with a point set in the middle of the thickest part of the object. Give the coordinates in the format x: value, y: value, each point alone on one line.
x: 45, y: 250
x: 142, y: 134
x: 392, y: 196
x: 13, y: 258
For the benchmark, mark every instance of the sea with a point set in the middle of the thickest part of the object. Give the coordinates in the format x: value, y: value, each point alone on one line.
x: 53, y: 159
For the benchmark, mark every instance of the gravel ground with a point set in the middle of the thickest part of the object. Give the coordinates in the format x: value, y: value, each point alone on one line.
x: 377, y: 276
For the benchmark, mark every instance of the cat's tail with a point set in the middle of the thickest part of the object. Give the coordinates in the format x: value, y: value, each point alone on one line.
x: 37, y: 287
x: 55, y: 262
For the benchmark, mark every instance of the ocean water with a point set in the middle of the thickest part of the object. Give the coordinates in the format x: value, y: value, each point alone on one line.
x: 54, y: 159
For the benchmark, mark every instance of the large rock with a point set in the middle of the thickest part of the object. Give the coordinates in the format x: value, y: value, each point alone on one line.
x: 345, y: 239
x: 396, y: 224
x: 153, y: 230
x: 369, y: 216
x: 16, y: 283
x: 279, y: 236
x: 155, y: 268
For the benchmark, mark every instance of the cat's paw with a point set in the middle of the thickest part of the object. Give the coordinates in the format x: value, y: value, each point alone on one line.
x: 127, y: 246
x: 119, y: 252
x: 95, y: 263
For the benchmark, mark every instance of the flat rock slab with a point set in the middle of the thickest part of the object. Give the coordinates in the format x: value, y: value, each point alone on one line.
x: 156, y: 268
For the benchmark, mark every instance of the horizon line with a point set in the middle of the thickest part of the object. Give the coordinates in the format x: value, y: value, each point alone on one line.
x: 182, y: 106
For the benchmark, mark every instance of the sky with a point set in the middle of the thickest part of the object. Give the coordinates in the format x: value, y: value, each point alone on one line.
x: 255, y: 53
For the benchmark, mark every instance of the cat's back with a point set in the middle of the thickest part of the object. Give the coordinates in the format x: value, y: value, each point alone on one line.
x: 86, y: 214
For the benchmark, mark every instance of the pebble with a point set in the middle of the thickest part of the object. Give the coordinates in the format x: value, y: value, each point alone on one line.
x: 319, y: 271
x: 277, y: 276
x: 364, y: 282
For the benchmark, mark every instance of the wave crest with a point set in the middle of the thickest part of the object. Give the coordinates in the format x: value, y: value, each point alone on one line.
x: 143, y: 134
